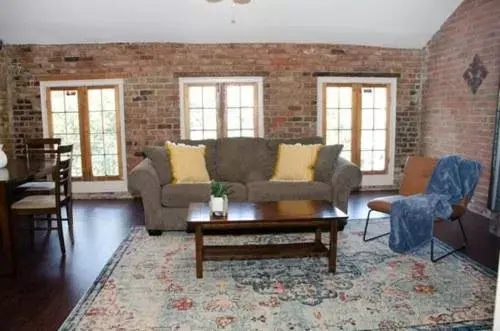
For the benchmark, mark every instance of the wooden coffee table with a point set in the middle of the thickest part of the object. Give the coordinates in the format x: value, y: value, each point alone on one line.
x: 300, y: 215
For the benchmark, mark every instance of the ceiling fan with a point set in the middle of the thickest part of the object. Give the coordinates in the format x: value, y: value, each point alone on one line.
x: 238, y: 2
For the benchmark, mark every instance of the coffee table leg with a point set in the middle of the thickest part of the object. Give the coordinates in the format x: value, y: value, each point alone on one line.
x: 332, y: 253
x: 199, y: 252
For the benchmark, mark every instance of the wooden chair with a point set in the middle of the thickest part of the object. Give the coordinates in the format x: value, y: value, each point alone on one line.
x: 45, y: 148
x: 417, y: 173
x: 52, y: 204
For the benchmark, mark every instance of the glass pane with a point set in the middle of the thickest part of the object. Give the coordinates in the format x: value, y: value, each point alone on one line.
x: 346, y: 154
x: 196, y: 120
x: 332, y: 97
x: 210, y: 135
x: 57, y: 101
x: 97, y: 144
x: 345, y: 119
x: 233, y: 96
x: 76, y: 170
x: 98, y: 165
x: 247, y: 133
x: 95, y: 119
x: 195, y: 97
x: 109, y: 121
x: 72, y: 123
x: 379, y: 138
x: 95, y: 101
x: 345, y: 139
x: 112, y: 165
x: 332, y: 119
x: 380, y: 119
x: 247, y: 96
x: 59, y: 123
x: 247, y: 118
x: 366, y: 140
x: 378, y: 161
x: 367, y: 98
x: 380, y: 97
x: 366, y: 160
x: 332, y: 137
x: 110, y: 144
x: 345, y: 97
x: 196, y: 135
x: 108, y: 99
x: 234, y: 133
x: 209, y: 97
x: 71, y: 101
x: 74, y: 139
x: 209, y: 119
x: 233, y: 119
x: 367, y: 119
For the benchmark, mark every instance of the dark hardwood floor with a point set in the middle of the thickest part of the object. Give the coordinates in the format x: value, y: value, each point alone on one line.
x: 48, y: 287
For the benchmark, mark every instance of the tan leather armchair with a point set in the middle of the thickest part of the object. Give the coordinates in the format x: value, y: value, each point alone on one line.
x: 417, y: 173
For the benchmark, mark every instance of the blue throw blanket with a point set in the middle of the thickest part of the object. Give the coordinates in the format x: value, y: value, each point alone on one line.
x: 412, y: 218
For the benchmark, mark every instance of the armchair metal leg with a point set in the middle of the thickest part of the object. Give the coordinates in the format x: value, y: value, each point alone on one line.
x: 435, y: 259
x: 366, y: 228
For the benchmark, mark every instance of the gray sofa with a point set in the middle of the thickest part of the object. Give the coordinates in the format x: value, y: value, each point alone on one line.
x: 245, y: 164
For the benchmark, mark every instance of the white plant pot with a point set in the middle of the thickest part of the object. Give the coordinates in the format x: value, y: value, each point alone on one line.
x: 3, y: 157
x: 218, y: 206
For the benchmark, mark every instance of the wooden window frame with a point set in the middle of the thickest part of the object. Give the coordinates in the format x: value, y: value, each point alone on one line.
x: 84, y: 122
x: 356, y: 121
x: 220, y: 107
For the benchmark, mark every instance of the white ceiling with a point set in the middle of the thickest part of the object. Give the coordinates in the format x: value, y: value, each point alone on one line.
x: 391, y: 23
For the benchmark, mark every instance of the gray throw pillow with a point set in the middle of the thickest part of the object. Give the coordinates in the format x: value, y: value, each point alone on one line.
x: 161, y: 162
x: 327, y: 160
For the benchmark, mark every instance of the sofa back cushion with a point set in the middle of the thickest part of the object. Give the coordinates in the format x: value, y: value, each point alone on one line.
x: 328, y: 157
x: 243, y: 160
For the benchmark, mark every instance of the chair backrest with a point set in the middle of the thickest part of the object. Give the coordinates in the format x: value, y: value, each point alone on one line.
x: 417, y: 173
x: 62, y: 172
x: 43, y: 148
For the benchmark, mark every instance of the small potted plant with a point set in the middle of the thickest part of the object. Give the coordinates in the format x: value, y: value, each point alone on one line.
x: 218, y: 198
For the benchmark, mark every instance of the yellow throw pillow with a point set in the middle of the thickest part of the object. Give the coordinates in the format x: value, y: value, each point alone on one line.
x: 296, y: 162
x: 187, y: 163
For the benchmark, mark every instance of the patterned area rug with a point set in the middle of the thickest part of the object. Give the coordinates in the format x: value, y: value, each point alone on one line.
x: 150, y: 284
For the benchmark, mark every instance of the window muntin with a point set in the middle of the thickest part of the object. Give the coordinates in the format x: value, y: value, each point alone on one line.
x: 88, y: 118
x: 222, y: 109
x: 356, y: 115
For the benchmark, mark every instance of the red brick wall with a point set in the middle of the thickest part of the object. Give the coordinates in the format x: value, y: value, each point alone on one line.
x: 152, y: 95
x: 5, y: 125
x: 454, y: 120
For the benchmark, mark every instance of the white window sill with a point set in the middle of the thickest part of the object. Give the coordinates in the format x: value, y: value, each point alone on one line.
x: 377, y: 180
x: 100, y: 187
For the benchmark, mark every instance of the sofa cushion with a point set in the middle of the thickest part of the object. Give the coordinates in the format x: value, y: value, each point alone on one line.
x: 161, y: 162
x: 276, y: 191
x: 180, y: 195
x: 188, y: 163
x: 210, y: 153
x: 296, y: 162
x: 243, y: 159
x: 326, y: 162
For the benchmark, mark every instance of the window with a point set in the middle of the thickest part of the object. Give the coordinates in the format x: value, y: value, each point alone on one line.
x: 221, y: 107
x: 89, y: 118
x: 359, y: 113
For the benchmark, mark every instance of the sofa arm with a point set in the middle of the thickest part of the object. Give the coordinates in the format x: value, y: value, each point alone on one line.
x: 144, y: 180
x: 346, y: 177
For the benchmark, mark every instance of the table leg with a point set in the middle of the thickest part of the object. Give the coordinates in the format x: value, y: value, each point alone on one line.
x: 199, y: 251
x: 8, y: 235
x: 332, y: 253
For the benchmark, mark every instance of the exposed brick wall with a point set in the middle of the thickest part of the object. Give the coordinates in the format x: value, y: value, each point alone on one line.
x: 455, y: 121
x: 5, y: 113
x: 152, y: 95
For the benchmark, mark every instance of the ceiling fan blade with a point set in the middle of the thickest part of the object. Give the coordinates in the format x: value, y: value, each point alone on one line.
x: 241, y: 2
x: 214, y: 1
